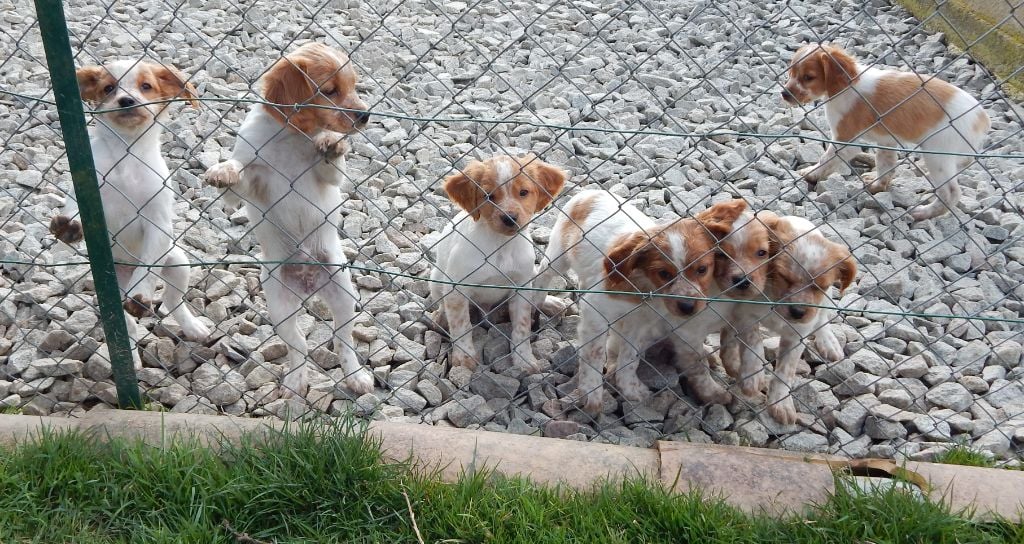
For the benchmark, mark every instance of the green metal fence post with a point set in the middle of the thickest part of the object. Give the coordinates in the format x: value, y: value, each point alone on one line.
x: 57, y: 45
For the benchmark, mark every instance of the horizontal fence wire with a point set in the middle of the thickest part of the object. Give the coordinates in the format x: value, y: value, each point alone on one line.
x: 672, y: 107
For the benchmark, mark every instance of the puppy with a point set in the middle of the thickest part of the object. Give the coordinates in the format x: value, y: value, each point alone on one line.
x: 134, y: 186
x: 886, y: 107
x: 613, y: 247
x: 488, y: 243
x: 804, y: 266
x: 287, y: 165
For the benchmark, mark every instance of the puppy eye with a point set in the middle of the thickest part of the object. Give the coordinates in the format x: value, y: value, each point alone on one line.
x: 329, y: 92
x: 664, y: 274
x: 146, y: 86
x: 808, y: 77
x: 108, y: 89
x: 524, y: 192
x: 762, y: 253
x: 719, y: 254
x: 702, y: 269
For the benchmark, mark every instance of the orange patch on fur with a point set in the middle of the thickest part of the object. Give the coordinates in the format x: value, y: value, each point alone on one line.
x: 903, y: 105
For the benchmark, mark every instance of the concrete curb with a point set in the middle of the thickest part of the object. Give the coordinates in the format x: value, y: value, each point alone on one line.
x: 756, y: 480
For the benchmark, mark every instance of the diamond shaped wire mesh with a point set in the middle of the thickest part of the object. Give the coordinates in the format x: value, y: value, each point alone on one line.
x: 671, y: 106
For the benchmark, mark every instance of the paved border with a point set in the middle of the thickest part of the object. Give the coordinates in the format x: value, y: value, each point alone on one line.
x: 753, y: 479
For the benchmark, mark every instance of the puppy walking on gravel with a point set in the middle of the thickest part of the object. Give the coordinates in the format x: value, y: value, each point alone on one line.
x: 896, y: 109
x: 287, y: 166
x: 133, y: 179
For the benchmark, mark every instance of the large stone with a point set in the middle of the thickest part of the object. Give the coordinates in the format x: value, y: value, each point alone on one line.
x: 221, y: 387
x: 470, y: 410
x: 490, y: 385
x: 806, y: 442
x: 950, y: 395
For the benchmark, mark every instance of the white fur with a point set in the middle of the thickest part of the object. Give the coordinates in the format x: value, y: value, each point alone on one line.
x: 138, y: 202
x: 291, y: 193
x: 635, y: 327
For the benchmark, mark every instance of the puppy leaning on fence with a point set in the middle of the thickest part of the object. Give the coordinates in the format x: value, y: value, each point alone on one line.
x: 895, y: 109
x: 804, y: 267
x: 488, y: 243
x: 612, y: 246
x: 287, y: 167
x: 133, y: 180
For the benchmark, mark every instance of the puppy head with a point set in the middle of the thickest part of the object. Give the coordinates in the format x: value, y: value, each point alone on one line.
x: 805, y: 267
x: 127, y: 90
x: 676, y: 259
x: 315, y: 75
x: 742, y: 256
x: 505, y: 192
x: 817, y: 71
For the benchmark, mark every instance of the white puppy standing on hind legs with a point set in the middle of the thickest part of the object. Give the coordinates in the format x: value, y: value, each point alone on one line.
x: 133, y: 181
x: 287, y: 166
x: 890, y: 108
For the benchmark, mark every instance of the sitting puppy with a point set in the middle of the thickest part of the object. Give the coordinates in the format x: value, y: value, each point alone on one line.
x: 615, y: 249
x: 133, y: 179
x: 487, y: 243
x: 287, y: 166
x: 895, y: 109
x: 804, y: 266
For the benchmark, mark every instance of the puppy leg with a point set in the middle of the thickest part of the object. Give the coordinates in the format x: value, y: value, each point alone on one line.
x: 692, y: 363
x: 829, y: 163
x: 627, y: 352
x: 942, y: 176
x: 283, y: 305
x: 885, y: 167
x: 780, y: 399
x: 339, y: 297
x: 729, y: 352
x: 521, y: 312
x: 133, y: 339
x: 460, y: 329
x: 589, y: 394
x: 175, y: 279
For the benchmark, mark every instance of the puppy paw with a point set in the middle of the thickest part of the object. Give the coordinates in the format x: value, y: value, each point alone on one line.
x: 65, y: 229
x: 783, y: 411
x: 751, y: 386
x: 295, y: 385
x: 926, y: 211
x: 139, y: 306
x: 331, y: 144
x: 828, y: 347
x: 360, y: 382
x: 460, y: 358
x: 631, y: 388
x: 812, y: 174
x: 710, y: 392
x: 195, y: 330
x: 876, y: 184
x: 552, y: 306
x: 222, y: 175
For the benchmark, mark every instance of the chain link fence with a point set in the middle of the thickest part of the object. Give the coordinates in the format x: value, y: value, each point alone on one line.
x: 672, y: 106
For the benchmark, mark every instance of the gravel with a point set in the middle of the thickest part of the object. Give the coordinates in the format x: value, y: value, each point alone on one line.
x: 906, y: 381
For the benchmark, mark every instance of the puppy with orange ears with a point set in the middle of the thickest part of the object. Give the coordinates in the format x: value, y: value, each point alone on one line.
x: 804, y: 267
x: 488, y: 243
x: 890, y: 108
x: 134, y: 184
x: 613, y: 247
x: 287, y: 166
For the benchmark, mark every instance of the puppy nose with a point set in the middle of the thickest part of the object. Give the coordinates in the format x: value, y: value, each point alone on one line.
x: 740, y: 282
x: 509, y: 220
x: 686, y: 306
x: 797, y: 312
x: 126, y: 102
x: 362, y: 118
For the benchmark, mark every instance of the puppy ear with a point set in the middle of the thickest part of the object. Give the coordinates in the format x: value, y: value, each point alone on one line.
x: 286, y: 83
x: 464, y: 190
x: 91, y: 82
x: 718, y: 219
x: 549, y: 179
x: 771, y: 222
x: 845, y: 270
x: 838, y: 68
x: 173, y: 85
x: 623, y: 259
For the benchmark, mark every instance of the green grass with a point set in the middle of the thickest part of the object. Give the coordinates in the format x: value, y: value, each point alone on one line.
x: 965, y: 456
x: 326, y: 483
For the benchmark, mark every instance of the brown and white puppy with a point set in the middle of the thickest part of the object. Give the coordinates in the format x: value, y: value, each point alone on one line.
x: 890, y: 108
x: 488, y: 243
x: 135, y: 185
x: 615, y: 249
x: 804, y: 267
x: 287, y: 166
